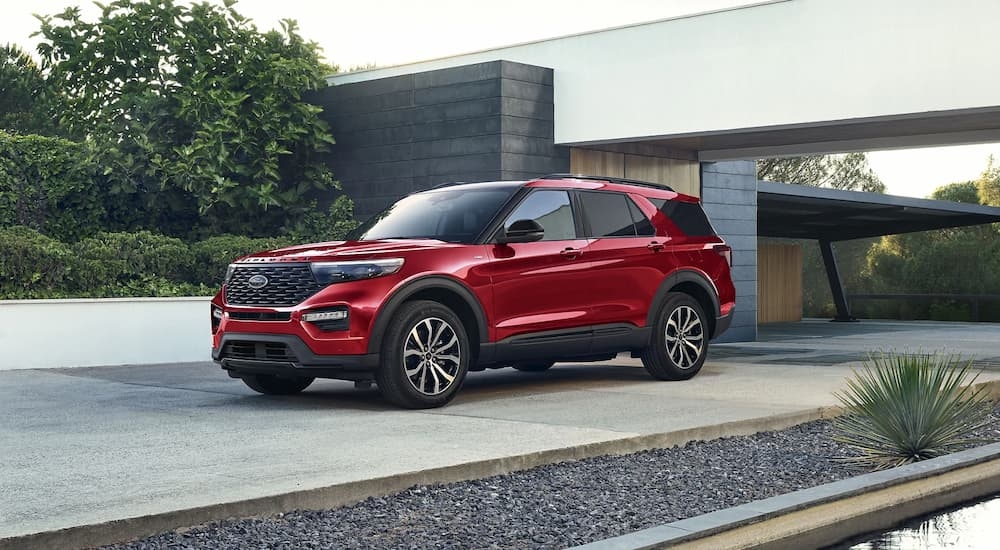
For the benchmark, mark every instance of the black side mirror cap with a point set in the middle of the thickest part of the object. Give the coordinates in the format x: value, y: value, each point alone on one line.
x: 521, y: 231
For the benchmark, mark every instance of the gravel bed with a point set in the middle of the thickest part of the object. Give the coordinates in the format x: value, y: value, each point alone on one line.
x: 554, y: 506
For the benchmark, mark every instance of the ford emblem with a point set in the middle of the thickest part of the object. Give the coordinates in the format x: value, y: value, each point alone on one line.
x: 257, y: 281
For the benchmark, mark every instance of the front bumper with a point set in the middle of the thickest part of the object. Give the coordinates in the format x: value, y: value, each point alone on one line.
x: 286, y: 355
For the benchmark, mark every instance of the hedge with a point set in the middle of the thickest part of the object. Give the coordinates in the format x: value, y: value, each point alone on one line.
x: 51, y: 185
x: 110, y: 265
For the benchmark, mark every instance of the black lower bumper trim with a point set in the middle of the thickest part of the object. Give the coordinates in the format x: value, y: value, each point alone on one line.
x: 305, y: 363
x: 722, y: 323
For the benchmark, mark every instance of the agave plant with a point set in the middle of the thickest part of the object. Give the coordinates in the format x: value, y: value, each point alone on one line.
x: 906, y: 407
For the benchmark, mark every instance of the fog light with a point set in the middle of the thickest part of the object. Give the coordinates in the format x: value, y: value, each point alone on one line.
x: 216, y: 313
x: 324, y: 316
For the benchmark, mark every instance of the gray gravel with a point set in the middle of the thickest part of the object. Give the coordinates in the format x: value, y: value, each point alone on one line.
x: 553, y: 506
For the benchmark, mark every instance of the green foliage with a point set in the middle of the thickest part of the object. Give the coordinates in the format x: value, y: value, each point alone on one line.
x: 988, y: 184
x: 195, y: 111
x: 25, y: 99
x: 849, y: 171
x: 905, y: 407
x: 51, y: 185
x: 109, y: 265
x: 33, y: 265
x: 957, y: 192
x: 958, y: 260
x: 316, y: 226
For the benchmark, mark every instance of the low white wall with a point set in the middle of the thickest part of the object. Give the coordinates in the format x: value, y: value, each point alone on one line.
x: 116, y: 331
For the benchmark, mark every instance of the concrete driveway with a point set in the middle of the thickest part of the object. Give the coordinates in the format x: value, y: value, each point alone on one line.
x: 90, y: 445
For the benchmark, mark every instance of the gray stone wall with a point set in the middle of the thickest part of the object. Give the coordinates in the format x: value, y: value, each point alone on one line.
x: 482, y: 122
x: 729, y: 194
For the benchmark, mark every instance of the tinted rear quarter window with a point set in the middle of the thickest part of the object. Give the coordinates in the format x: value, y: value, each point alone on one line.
x: 689, y: 217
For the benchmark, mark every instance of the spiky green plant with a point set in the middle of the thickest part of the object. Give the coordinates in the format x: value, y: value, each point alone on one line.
x: 906, y: 407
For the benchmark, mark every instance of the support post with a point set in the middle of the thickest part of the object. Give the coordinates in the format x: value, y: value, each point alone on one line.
x: 836, y: 286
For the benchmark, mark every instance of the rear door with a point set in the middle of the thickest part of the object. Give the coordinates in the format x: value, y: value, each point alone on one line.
x: 627, y: 260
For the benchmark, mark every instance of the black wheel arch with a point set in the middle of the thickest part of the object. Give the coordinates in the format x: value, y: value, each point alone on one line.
x: 441, y: 289
x: 694, y: 283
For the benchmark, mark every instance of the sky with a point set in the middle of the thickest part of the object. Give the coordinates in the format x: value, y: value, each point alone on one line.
x: 390, y: 32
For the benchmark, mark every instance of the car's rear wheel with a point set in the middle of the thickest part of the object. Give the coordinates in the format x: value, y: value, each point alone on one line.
x: 269, y: 384
x: 679, y: 342
x: 534, y: 366
x: 425, y: 356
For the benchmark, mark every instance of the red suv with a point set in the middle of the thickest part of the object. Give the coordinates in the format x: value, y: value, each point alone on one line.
x: 473, y: 276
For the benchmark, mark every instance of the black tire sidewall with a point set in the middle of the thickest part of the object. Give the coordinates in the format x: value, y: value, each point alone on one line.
x: 391, y: 378
x: 268, y: 384
x: 655, y: 358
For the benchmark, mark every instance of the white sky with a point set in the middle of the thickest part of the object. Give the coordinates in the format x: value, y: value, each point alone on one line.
x: 389, y: 32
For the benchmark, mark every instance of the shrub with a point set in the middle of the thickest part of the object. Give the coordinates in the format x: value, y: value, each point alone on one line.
x: 906, y: 407
x: 113, y: 263
x: 33, y: 265
x: 49, y: 184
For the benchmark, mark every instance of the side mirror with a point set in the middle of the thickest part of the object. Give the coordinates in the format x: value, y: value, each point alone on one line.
x: 521, y: 231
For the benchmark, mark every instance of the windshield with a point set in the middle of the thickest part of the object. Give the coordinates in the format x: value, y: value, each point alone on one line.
x: 451, y: 215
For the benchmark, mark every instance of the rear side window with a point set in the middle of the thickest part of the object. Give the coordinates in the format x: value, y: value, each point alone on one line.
x: 687, y: 216
x: 608, y: 214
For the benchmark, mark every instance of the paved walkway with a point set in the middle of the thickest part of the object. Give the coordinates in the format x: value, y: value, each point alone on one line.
x: 89, y: 445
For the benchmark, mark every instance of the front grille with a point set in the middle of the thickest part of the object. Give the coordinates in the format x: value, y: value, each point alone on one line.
x: 286, y: 285
x: 258, y: 351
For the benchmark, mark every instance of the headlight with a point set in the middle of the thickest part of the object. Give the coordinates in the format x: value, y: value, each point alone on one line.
x: 229, y: 273
x: 335, y: 272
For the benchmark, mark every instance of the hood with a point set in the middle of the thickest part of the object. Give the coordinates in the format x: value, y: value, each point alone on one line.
x: 344, y: 250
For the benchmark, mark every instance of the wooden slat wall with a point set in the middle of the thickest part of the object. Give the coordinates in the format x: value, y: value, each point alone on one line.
x: 779, y: 283
x: 681, y: 174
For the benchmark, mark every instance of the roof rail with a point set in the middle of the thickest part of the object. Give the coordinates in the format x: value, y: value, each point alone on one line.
x: 445, y: 184
x: 610, y: 179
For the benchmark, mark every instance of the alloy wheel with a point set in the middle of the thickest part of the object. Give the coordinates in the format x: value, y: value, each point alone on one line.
x: 684, y: 337
x: 432, y: 356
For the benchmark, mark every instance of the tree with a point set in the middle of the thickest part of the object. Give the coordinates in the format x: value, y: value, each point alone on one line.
x: 960, y: 260
x: 988, y: 184
x: 195, y: 111
x: 849, y: 171
x: 24, y: 94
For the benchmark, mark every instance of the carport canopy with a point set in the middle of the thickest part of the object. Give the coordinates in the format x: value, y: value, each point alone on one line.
x: 828, y: 215
x: 804, y: 212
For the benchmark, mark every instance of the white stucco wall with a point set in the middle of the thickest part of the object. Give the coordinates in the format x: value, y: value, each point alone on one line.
x: 770, y: 65
x: 82, y: 333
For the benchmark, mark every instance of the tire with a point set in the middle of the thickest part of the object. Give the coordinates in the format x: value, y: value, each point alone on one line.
x: 269, y: 384
x: 679, y: 342
x: 416, y: 372
x: 534, y: 366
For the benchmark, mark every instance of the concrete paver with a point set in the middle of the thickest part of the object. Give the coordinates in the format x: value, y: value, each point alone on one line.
x: 82, y: 446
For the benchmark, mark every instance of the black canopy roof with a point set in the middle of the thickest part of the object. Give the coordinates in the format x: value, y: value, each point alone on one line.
x: 803, y: 212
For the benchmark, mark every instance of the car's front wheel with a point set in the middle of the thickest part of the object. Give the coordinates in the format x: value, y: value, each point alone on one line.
x: 268, y: 384
x: 679, y: 343
x: 425, y: 356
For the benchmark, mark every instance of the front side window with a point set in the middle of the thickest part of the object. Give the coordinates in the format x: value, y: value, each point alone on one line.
x: 549, y: 208
x: 450, y: 215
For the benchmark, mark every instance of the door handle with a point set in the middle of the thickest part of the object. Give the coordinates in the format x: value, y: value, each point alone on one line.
x: 570, y: 253
x: 655, y: 246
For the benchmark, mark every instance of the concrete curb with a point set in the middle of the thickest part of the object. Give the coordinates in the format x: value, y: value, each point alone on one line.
x: 827, y: 514
x: 121, y: 530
